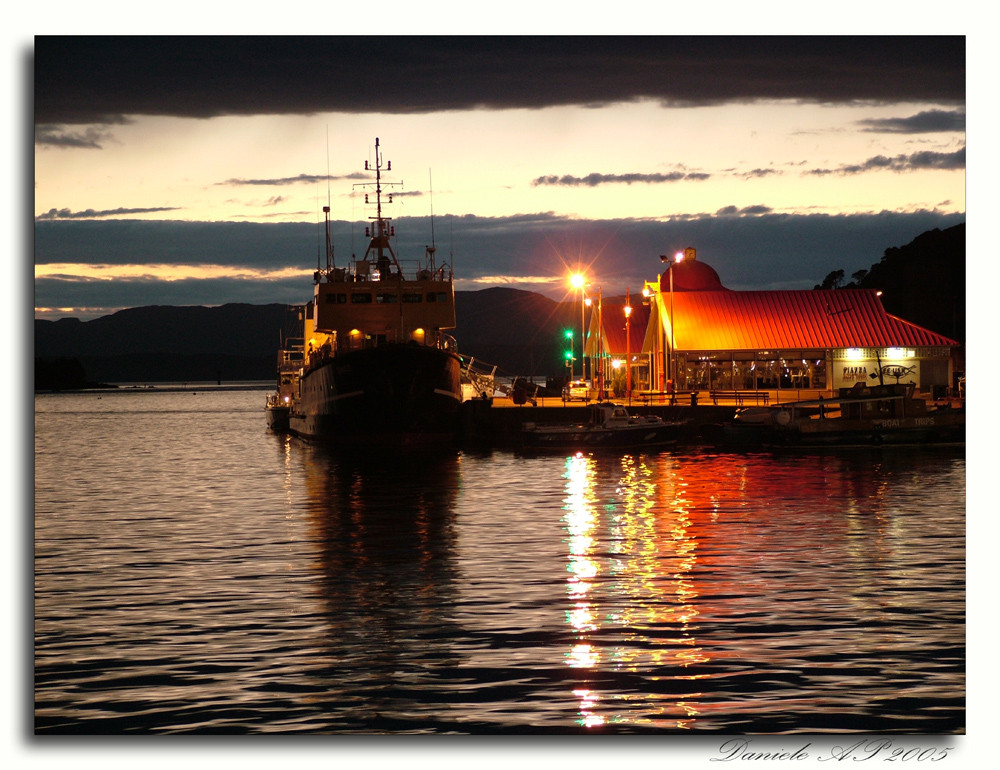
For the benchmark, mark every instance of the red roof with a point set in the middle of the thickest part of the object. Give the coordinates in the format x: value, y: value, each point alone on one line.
x: 614, y: 327
x: 789, y: 320
x: 691, y: 275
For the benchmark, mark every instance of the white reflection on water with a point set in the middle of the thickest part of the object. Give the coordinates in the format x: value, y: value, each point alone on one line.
x: 639, y: 593
x: 193, y: 573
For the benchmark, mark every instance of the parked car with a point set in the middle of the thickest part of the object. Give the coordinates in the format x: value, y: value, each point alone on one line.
x: 577, y: 390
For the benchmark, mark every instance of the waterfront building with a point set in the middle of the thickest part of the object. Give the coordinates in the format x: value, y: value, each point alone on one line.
x: 701, y: 336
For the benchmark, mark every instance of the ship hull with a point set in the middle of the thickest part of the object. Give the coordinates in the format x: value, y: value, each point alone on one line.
x: 277, y: 418
x: 941, y: 429
x: 582, y: 438
x: 392, y: 394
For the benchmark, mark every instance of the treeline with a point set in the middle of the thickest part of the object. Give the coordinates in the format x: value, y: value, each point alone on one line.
x: 61, y: 374
x: 922, y: 282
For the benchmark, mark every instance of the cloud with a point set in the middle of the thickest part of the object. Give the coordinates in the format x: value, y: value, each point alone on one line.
x: 595, y: 179
x: 929, y: 121
x: 288, y: 180
x: 90, y: 138
x: 154, y: 262
x: 917, y: 161
x: 100, y: 79
x: 746, y: 211
x: 93, y: 214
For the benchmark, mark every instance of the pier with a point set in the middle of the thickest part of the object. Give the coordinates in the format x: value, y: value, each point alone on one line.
x: 498, y: 422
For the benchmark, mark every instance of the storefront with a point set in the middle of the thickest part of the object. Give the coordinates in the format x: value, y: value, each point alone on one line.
x: 702, y: 336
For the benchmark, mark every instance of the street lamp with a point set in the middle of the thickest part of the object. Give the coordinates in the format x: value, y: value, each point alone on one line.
x: 577, y: 281
x: 672, y: 361
x: 599, y: 376
x: 628, y: 354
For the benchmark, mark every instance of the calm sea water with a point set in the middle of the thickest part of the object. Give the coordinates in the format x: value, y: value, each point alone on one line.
x: 196, y: 574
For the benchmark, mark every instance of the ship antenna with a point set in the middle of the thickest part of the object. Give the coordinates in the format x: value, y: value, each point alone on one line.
x: 326, y: 208
x: 432, y: 249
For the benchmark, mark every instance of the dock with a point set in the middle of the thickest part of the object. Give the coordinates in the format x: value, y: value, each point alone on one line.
x: 498, y: 422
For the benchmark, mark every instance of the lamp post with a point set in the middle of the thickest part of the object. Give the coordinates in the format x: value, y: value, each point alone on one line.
x: 598, y: 375
x: 600, y: 344
x: 628, y: 354
x: 672, y: 360
x: 579, y: 282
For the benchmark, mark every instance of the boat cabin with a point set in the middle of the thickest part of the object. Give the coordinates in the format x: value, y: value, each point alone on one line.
x: 879, y: 402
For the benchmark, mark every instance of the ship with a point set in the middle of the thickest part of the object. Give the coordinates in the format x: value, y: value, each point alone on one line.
x: 375, y: 364
x: 610, y: 426
x: 860, y: 417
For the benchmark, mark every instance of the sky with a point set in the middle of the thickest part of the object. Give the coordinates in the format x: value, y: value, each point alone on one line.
x: 193, y: 170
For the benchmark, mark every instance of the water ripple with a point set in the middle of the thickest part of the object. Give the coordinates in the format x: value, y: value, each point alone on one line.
x: 196, y: 574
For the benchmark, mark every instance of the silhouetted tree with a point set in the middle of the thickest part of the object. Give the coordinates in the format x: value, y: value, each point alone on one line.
x: 833, y: 280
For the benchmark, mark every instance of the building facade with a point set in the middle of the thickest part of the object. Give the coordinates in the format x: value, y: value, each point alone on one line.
x: 701, y: 336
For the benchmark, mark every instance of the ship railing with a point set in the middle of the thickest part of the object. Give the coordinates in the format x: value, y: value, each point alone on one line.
x: 446, y: 342
x: 362, y: 271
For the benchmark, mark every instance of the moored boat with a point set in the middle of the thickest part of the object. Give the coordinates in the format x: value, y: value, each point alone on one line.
x: 610, y: 426
x: 378, y: 366
x: 278, y: 406
x: 861, y: 416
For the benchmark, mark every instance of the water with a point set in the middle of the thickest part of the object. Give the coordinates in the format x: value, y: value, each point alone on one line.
x: 194, y: 573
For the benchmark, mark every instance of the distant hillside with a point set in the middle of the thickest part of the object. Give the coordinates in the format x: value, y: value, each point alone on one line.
x: 163, y: 344
x: 521, y: 332
x: 518, y: 331
x: 237, y: 329
x: 922, y: 282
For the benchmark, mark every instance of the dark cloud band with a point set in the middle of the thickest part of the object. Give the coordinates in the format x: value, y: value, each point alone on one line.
x: 93, y: 80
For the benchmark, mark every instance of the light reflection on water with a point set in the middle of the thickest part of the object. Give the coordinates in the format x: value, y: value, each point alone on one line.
x: 194, y: 573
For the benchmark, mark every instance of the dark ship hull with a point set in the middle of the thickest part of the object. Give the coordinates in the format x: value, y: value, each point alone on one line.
x: 393, y: 394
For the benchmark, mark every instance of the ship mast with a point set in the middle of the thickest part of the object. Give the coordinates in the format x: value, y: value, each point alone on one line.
x: 381, y: 231
x: 432, y: 249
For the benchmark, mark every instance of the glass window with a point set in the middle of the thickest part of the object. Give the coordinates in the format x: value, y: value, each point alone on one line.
x: 361, y: 299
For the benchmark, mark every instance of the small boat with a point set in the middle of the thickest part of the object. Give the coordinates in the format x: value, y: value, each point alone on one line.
x: 291, y: 356
x: 610, y: 426
x: 860, y: 416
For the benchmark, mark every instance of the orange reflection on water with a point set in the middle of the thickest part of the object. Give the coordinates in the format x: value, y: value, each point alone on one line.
x: 641, y: 591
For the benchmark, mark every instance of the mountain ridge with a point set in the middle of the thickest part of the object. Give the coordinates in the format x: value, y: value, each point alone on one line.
x: 519, y: 331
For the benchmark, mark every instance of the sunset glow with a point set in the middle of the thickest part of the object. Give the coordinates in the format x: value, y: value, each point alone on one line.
x: 778, y: 161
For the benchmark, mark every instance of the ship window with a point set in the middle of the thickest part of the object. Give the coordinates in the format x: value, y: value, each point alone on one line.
x: 339, y: 299
x: 386, y: 299
x: 431, y: 297
x: 361, y: 299
x: 441, y: 297
x: 413, y: 298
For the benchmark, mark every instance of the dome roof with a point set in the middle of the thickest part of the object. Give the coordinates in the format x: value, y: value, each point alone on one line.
x: 691, y: 275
